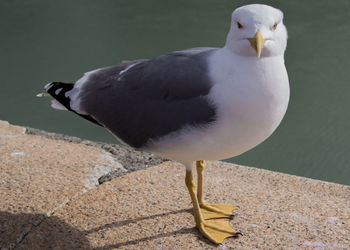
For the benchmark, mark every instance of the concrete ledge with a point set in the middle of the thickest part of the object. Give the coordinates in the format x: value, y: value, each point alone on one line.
x: 130, y: 159
x: 51, y: 198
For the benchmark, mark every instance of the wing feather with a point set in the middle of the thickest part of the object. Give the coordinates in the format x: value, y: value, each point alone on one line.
x: 147, y: 99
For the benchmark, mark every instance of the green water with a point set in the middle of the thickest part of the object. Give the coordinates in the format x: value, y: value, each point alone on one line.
x: 43, y: 41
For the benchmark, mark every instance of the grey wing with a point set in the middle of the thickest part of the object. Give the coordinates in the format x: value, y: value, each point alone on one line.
x: 147, y: 99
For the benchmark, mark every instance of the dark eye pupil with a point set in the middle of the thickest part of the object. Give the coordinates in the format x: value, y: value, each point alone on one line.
x: 240, y: 26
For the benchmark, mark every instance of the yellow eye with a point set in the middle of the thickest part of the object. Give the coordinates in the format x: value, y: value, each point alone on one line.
x: 274, y: 27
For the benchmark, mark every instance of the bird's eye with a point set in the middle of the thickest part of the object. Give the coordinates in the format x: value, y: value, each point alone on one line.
x: 239, y: 25
x: 274, y: 27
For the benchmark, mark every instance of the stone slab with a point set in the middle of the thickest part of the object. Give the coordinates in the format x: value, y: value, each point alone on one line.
x: 151, y: 209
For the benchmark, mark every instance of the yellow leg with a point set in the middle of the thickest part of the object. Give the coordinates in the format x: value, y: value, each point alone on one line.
x: 214, y: 230
x: 210, y: 211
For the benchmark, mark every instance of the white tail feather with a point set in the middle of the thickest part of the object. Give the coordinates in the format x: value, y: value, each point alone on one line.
x: 56, y: 105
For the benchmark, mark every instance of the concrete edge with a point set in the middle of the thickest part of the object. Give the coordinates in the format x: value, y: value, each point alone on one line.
x: 131, y: 159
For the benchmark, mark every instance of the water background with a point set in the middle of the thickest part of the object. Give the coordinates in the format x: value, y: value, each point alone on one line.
x: 46, y: 40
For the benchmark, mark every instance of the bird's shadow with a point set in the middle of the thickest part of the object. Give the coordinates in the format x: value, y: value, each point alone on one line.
x: 25, y: 229
x: 192, y: 230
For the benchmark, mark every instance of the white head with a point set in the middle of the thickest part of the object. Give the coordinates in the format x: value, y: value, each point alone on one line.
x: 257, y: 30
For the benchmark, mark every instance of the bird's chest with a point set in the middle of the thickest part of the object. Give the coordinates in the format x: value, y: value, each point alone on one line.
x: 251, y: 102
x: 254, y: 99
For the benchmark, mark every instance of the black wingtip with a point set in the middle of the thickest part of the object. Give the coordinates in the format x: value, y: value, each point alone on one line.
x: 58, y: 91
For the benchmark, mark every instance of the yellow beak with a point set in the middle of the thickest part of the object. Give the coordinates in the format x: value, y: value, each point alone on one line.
x: 257, y: 42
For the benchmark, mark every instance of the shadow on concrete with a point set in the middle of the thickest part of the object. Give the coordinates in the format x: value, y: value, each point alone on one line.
x: 22, y: 231
x: 124, y: 222
x: 158, y: 236
x: 192, y: 230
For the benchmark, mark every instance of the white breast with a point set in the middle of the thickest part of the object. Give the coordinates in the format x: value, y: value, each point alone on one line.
x: 251, y: 96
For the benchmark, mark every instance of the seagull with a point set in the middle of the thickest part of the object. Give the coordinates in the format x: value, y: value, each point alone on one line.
x: 193, y: 105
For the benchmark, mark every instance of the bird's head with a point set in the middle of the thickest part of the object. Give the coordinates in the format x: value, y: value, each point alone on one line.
x: 257, y: 30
